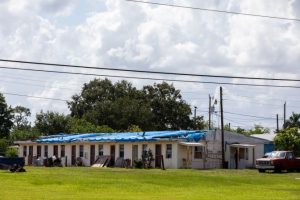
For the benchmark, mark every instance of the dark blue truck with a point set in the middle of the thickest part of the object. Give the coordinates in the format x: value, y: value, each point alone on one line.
x: 7, y: 163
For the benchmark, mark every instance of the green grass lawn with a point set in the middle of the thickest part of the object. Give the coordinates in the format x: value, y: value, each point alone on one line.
x: 112, y: 183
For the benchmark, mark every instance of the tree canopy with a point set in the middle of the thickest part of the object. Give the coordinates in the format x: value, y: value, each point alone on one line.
x: 120, y: 105
x: 293, y: 121
x: 288, y: 139
x: 6, y: 118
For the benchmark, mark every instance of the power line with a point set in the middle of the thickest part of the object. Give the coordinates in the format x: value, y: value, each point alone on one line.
x: 267, y: 104
x: 37, y: 97
x: 214, y: 10
x: 151, y: 78
x: 150, y: 72
x: 259, y: 117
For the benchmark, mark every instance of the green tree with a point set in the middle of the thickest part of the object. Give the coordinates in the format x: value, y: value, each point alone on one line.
x: 134, y: 128
x: 293, y: 121
x: 23, y: 134
x: 11, y: 152
x: 200, y: 123
x: 288, y: 139
x: 258, y: 129
x: 50, y: 123
x: 4, y: 143
x: 82, y: 126
x: 6, y: 117
x: 169, y: 109
x: 241, y: 131
x: 21, y: 115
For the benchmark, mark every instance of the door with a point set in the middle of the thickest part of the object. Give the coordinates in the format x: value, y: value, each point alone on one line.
x: 158, y: 155
x: 112, y: 154
x: 30, y: 155
x: 135, y: 153
x: 55, y: 151
x: 92, y: 154
x: 73, y: 155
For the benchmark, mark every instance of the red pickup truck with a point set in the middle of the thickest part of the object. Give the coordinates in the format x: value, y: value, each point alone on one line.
x: 278, y: 161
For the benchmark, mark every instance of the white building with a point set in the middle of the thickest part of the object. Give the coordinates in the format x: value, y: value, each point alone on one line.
x: 179, y: 149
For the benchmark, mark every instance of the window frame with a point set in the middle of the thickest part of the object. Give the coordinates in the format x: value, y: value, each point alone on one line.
x: 169, y: 150
x: 121, y: 150
x: 100, y: 150
x: 46, y: 149
x: 24, y: 151
x: 62, y: 150
x: 38, y: 151
x: 198, y: 154
x: 81, y: 151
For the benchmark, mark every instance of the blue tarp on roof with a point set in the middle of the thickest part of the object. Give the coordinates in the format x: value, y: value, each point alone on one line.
x: 123, y: 137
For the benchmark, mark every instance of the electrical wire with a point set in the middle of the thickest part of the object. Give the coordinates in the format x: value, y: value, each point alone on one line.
x: 31, y: 96
x: 151, y: 78
x: 214, y: 10
x: 150, y: 72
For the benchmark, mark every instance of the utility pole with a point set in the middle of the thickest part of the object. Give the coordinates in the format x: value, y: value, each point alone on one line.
x: 284, y: 113
x: 222, y: 127
x: 195, y: 114
x: 277, y: 129
x: 229, y: 127
x: 209, y: 111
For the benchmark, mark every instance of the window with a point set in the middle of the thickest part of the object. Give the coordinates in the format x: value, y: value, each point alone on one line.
x: 144, y: 150
x: 45, y: 151
x: 198, y: 152
x: 100, y: 150
x: 62, y: 151
x: 135, y: 152
x: 55, y: 150
x: 24, y: 151
x: 289, y: 155
x: 38, y: 151
x: 121, y: 146
x: 169, y: 151
x: 246, y: 154
x: 81, y: 151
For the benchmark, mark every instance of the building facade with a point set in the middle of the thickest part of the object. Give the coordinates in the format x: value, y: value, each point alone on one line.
x: 179, y: 149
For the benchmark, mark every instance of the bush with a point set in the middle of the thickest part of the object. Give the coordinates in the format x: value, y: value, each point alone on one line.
x: 11, y: 152
x: 138, y: 164
x: 3, y: 146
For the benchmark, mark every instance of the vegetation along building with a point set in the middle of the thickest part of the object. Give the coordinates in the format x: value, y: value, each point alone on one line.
x: 179, y: 149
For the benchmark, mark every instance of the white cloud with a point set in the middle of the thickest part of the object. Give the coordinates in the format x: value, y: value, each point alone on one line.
x: 162, y: 38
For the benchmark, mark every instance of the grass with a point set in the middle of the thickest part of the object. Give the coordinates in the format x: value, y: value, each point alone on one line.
x: 113, y: 183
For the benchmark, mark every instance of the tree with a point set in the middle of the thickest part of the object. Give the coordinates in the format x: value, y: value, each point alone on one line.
x: 23, y: 134
x: 21, y: 115
x: 288, y: 139
x: 169, y: 109
x: 4, y: 143
x: 82, y: 126
x: 50, y: 123
x: 293, y: 121
x: 258, y: 129
x: 134, y: 128
x: 120, y: 105
x: 6, y: 117
x: 200, y: 123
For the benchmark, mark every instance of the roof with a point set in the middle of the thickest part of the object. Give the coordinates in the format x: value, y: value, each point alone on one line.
x: 192, y: 144
x: 123, y: 137
x: 242, y: 145
x: 265, y: 136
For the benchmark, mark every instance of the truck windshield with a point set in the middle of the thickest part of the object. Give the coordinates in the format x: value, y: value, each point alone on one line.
x: 277, y: 155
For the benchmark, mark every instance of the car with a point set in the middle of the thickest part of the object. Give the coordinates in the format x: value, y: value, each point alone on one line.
x: 278, y: 161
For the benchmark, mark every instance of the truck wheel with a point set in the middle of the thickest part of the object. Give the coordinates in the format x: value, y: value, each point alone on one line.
x: 277, y: 169
x: 261, y: 170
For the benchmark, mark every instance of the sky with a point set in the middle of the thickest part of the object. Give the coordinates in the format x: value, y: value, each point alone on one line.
x: 128, y: 35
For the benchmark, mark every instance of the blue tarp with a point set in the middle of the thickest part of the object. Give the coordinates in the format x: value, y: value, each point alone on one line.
x: 123, y: 137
